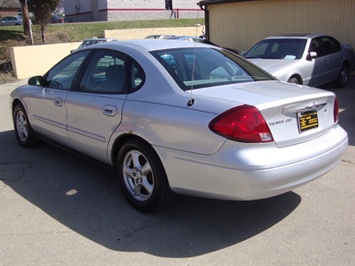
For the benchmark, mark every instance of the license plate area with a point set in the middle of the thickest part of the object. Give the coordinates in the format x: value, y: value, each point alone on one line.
x: 307, y: 120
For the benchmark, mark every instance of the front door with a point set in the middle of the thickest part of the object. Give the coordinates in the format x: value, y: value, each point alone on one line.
x: 320, y: 63
x: 49, y: 114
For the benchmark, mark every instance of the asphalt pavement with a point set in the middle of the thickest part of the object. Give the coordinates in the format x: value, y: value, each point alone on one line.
x: 59, y: 209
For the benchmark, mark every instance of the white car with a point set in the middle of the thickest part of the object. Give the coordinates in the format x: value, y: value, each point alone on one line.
x: 88, y: 42
x: 309, y: 59
x: 177, y: 117
x: 159, y: 36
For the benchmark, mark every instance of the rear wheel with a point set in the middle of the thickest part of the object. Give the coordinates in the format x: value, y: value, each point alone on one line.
x: 23, y: 131
x: 343, y: 77
x: 142, y: 177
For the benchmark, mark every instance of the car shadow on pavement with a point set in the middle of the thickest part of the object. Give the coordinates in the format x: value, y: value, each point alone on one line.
x: 86, y: 198
x: 346, y: 103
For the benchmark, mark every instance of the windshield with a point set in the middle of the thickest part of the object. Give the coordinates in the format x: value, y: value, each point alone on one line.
x: 290, y: 49
x: 207, y: 67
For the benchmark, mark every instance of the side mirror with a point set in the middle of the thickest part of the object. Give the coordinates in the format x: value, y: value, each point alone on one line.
x: 35, y: 81
x: 243, y: 53
x: 311, y: 55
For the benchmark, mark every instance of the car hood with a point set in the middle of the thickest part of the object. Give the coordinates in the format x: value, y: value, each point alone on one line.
x: 273, y: 65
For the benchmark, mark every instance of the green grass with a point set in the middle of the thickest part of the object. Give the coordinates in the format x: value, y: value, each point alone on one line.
x: 72, y: 32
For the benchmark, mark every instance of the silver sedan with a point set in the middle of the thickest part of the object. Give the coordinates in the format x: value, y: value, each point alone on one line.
x: 309, y: 59
x: 11, y: 21
x: 178, y: 117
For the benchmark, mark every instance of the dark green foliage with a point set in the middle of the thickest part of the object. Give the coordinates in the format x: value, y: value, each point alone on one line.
x: 42, y: 10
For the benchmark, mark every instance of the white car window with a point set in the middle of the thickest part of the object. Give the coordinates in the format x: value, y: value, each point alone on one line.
x: 278, y: 49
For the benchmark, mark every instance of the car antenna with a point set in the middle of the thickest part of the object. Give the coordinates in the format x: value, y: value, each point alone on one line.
x: 192, y: 100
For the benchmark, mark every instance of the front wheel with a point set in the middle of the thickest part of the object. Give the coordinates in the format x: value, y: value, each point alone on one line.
x: 294, y: 80
x: 23, y: 130
x: 142, y: 177
x: 343, y: 77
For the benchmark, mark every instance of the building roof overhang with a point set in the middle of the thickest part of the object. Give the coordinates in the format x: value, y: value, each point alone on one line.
x: 214, y: 2
x: 8, y: 4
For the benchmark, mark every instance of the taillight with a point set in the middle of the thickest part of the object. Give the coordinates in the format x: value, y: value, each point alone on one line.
x: 243, y: 123
x: 336, y: 110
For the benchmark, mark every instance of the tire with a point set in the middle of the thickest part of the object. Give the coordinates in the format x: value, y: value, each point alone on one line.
x: 142, y: 177
x: 23, y: 131
x: 343, y: 77
x: 294, y: 80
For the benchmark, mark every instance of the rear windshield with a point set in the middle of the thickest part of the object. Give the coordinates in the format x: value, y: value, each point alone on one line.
x: 206, y: 67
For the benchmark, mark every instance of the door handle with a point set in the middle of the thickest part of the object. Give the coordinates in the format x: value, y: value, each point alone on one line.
x: 109, y: 110
x: 58, y: 101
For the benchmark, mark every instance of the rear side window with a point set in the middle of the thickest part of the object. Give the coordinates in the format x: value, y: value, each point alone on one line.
x: 136, y: 75
x: 105, y: 73
x: 111, y: 72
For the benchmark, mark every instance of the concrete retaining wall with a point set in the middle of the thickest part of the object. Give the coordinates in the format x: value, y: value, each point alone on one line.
x: 142, y: 33
x: 28, y: 61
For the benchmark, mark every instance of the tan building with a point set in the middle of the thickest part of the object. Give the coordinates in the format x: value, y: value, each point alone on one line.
x: 126, y: 10
x: 239, y: 24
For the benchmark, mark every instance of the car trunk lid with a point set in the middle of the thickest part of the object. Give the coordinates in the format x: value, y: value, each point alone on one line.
x: 293, y: 113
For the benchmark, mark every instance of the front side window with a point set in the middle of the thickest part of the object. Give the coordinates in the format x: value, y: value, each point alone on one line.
x: 62, y: 75
x: 331, y: 45
x: 325, y: 45
x: 206, y: 67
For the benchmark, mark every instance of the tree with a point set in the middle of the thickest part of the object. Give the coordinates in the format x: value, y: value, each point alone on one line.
x: 4, y: 3
x: 25, y: 17
x: 42, y: 10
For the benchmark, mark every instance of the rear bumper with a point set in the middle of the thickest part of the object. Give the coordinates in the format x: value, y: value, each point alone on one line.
x: 249, y: 171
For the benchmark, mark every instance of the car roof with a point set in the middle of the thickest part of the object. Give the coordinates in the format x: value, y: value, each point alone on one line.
x: 159, y: 36
x: 296, y: 35
x: 99, y: 39
x: 150, y: 44
x: 12, y: 17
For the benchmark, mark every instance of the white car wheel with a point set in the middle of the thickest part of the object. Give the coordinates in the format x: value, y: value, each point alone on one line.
x: 294, y: 80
